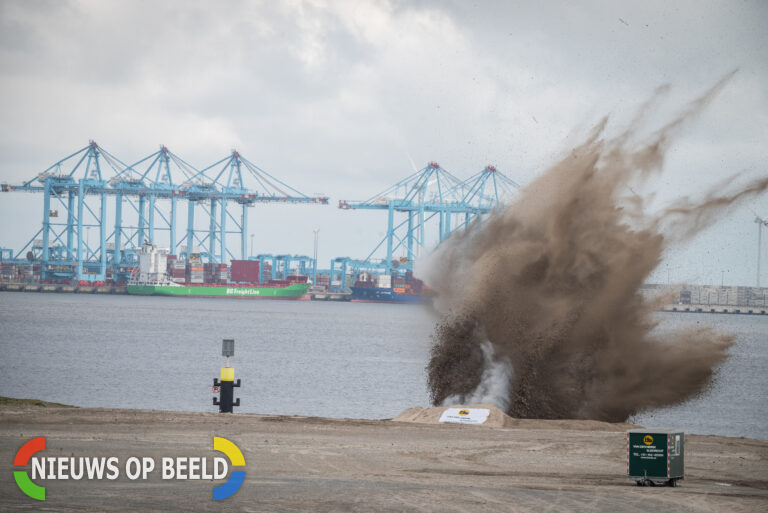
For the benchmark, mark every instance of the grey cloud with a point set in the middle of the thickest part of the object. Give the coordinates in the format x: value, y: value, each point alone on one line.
x: 338, y: 98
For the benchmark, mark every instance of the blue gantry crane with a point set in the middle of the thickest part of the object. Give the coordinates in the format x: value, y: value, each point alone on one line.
x: 485, y: 190
x: 342, y: 266
x: 428, y: 193
x: 63, y: 248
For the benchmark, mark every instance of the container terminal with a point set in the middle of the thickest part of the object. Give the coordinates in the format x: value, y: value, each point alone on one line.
x: 127, y: 205
x: 131, y: 207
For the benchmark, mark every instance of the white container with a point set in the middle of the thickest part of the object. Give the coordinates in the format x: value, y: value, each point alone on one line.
x: 384, y: 281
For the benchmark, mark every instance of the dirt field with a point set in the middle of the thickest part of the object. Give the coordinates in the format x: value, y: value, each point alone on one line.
x: 315, y: 465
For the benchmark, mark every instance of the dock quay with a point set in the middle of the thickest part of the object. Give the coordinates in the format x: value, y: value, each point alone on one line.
x: 55, y: 288
x: 718, y: 309
x: 330, y: 296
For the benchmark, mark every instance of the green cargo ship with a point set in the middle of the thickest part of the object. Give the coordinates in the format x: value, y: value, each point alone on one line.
x: 150, y: 278
x: 292, y: 291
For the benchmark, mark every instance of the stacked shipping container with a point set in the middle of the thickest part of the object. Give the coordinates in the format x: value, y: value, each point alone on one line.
x: 215, y: 273
x: 177, y: 271
x: 323, y: 280
x: 8, y: 272
x: 195, y: 273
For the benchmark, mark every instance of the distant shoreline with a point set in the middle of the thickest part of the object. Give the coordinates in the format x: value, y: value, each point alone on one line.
x: 10, y: 401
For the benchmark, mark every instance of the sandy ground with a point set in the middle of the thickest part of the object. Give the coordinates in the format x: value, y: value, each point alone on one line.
x: 316, y: 465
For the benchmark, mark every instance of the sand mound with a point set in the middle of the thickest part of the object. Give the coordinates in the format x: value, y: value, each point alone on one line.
x: 419, y: 415
x: 499, y: 419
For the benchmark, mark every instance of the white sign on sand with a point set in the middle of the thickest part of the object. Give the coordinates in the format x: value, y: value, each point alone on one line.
x: 465, y: 415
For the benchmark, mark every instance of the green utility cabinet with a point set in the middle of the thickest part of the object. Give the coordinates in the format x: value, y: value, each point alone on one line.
x: 655, y: 456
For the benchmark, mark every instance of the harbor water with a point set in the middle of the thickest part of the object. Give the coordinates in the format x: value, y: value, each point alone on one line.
x: 343, y: 360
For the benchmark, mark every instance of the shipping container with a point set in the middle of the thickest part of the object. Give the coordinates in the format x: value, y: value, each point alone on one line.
x: 244, y: 271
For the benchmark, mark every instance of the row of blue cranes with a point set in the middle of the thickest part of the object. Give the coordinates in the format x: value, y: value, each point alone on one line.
x: 145, y: 199
x: 429, y: 195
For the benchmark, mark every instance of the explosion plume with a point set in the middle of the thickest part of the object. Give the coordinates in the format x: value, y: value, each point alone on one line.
x: 542, y: 314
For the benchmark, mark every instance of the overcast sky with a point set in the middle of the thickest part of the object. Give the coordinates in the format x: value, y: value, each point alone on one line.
x: 342, y: 98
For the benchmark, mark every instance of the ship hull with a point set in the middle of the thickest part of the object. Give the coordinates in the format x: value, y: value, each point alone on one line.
x: 383, y: 295
x: 293, y: 291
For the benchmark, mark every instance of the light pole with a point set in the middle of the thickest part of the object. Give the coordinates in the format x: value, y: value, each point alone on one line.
x: 760, y: 222
x: 314, y: 264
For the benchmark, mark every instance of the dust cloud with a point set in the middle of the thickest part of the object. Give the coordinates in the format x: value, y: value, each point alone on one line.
x: 540, y: 302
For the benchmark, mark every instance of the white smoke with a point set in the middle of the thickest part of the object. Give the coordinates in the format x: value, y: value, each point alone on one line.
x: 494, y: 382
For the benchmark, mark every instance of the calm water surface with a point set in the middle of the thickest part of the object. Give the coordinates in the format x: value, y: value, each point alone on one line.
x: 353, y: 360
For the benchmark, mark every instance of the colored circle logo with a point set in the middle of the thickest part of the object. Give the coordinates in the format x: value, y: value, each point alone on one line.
x: 238, y: 476
x: 647, y: 439
x: 22, y: 458
x: 464, y: 413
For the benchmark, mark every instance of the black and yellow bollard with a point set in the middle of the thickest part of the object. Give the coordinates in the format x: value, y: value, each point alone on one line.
x: 225, y: 401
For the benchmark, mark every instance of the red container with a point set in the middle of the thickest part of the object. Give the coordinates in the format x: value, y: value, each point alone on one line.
x: 245, y: 271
